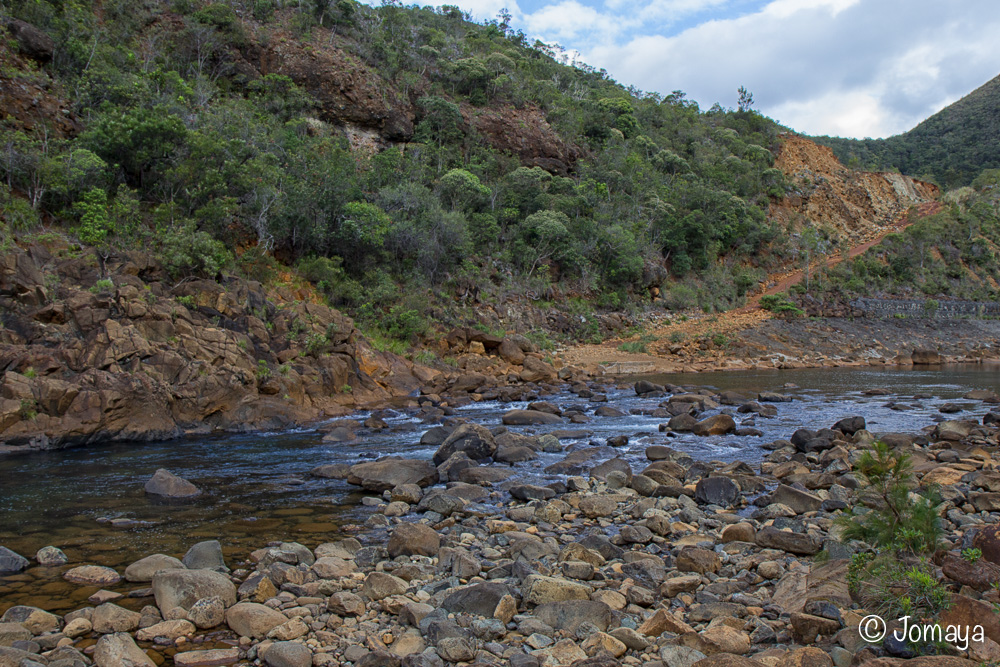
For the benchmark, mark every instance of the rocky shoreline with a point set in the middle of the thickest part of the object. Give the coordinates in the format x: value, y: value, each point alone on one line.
x: 463, y: 561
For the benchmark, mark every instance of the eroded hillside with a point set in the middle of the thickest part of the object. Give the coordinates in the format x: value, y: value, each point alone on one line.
x: 853, y: 205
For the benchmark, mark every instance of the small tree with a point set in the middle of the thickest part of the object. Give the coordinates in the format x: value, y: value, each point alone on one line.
x: 892, y: 518
x: 746, y: 100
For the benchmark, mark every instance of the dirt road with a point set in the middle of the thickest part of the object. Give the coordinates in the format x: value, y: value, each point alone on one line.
x: 677, y: 343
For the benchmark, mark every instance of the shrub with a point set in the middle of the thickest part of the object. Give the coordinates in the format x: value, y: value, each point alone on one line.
x: 972, y: 555
x: 780, y: 304
x: 891, y: 587
x: 640, y: 346
x: 184, y: 251
x: 102, y: 286
x: 893, y: 518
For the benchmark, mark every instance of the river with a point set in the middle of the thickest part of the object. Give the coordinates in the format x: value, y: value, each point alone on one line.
x: 258, y: 488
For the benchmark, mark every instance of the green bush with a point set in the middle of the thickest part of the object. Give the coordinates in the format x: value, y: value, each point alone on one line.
x: 184, y: 250
x: 892, y: 517
x: 780, y: 304
x: 892, y: 587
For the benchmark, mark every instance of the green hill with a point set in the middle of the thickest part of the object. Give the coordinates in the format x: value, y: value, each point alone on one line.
x: 394, y: 156
x: 951, y: 147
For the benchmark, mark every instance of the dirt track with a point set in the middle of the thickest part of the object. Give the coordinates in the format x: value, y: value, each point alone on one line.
x: 683, y: 336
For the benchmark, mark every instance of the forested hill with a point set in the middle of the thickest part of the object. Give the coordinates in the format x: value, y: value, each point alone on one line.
x: 951, y: 147
x: 374, y: 149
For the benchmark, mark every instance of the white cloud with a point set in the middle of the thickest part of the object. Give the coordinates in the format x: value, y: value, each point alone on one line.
x: 568, y: 20
x: 849, y: 67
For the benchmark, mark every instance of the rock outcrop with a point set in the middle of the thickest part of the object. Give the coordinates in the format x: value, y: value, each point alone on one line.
x: 130, y: 356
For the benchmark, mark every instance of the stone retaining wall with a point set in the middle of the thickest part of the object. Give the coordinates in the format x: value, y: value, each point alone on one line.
x: 925, y: 308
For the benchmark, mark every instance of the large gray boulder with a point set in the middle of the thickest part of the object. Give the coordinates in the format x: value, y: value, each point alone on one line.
x: 390, y: 472
x: 250, y: 619
x: 288, y: 654
x: 143, y: 569
x: 11, y: 562
x: 120, y: 650
x: 476, y: 441
x: 205, y: 555
x: 182, y: 588
x: 31, y: 41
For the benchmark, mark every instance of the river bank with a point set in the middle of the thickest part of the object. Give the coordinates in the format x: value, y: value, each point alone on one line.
x: 660, y: 556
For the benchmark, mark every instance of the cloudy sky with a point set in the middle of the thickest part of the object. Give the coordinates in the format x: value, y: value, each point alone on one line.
x: 855, y: 68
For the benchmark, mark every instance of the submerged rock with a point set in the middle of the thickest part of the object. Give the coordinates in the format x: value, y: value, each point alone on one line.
x: 12, y: 562
x: 165, y: 483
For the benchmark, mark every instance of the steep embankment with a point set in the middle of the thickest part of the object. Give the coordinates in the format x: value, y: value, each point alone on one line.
x: 127, y: 353
x: 857, y: 206
x: 131, y: 356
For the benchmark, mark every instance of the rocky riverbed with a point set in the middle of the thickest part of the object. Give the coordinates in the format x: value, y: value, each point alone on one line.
x: 665, y: 560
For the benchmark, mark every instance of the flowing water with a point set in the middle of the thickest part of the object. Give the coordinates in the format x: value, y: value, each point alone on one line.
x: 257, y: 488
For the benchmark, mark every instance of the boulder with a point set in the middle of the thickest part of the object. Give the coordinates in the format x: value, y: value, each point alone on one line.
x: 168, y: 485
x: 530, y: 418
x: 714, y: 425
x: 209, y: 658
x: 479, y: 599
x: 540, y: 589
x: 511, y: 352
x: 207, y: 612
x: 797, y: 543
x: 182, y: 588
x: 694, y: 559
x: 474, y: 440
x: 987, y: 540
x: 287, y: 654
x: 536, y: 370
x: 166, y: 630
x: 31, y: 41
x: 119, y: 650
x: 205, y: 555
x: 11, y: 632
x: 380, y: 585
x: 12, y: 562
x: 720, y: 491
x: 800, y: 501
x: 643, y: 387
x: 92, y: 575
x: 954, y: 430
x: 850, y: 425
x: 413, y: 539
x: 250, y: 619
x: 35, y: 620
x: 50, y: 557
x: 388, y: 473
x: 109, y: 618
x: 332, y: 567
x: 682, y: 423
x: 739, y: 532
x: 569, y: 615
x: 143, y: 569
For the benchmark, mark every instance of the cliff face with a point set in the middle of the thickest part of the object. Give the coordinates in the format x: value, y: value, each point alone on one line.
x: 130, y: 356
x: 855, y: 205
x: 358, y: 100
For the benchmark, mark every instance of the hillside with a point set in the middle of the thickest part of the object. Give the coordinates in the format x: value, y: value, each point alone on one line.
x: 951, y: 147
x: 383, y: 147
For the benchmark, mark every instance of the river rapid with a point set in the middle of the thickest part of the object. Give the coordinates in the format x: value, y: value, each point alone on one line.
x: 257, y: 488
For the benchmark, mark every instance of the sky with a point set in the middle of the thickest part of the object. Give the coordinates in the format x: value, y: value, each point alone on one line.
x: 851, y: 68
